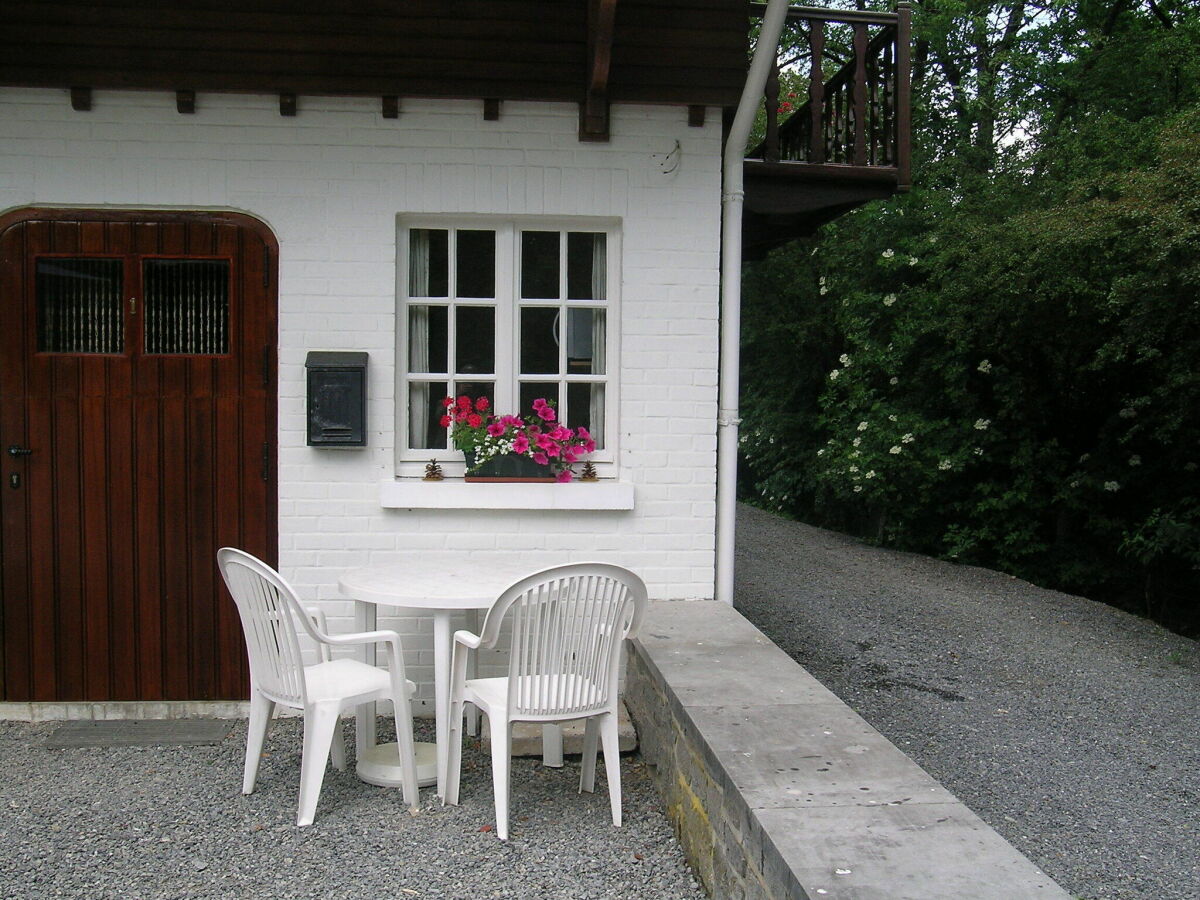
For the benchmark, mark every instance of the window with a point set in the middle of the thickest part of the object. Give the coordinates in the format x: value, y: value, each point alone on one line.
x: 514, y: 311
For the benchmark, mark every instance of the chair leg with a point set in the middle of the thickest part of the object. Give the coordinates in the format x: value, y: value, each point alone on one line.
x: 261, y: 710
x: 402, y: 712
x: 612, y: 763
x: 587, y: 769
x: 501, y: 758
x: 454, y: 739
x: 319, y: 723
x: 337, y: 747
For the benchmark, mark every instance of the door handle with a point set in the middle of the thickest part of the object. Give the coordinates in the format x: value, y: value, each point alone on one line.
x: 17, y: 450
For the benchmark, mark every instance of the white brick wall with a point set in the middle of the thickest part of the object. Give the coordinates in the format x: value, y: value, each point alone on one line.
x: 331, y: 183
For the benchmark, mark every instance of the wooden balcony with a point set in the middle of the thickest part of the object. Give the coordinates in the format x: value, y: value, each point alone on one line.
x: 848, y: 142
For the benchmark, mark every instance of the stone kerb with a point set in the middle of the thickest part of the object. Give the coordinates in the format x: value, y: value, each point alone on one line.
x: 778, y: 790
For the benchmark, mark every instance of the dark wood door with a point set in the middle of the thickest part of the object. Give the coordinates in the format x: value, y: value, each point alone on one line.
x: 137, y: 436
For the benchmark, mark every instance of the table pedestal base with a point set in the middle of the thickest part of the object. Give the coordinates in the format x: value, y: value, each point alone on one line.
x: 380, y: 765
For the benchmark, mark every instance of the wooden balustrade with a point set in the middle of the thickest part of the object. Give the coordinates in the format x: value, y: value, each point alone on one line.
x: 858, y: 117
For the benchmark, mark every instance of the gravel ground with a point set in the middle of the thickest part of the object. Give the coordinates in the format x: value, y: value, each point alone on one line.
x: 159, y: 822
x: 1070, y: 727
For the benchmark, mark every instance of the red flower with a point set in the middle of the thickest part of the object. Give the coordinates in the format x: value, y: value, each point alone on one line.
x: 481, y: 404
x: 445, y: 421
x: 474, y: 420
x: 447, y: 402
x: 464, y: 402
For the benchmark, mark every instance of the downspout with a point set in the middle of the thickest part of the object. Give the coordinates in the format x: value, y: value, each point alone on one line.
x: 732, y: 201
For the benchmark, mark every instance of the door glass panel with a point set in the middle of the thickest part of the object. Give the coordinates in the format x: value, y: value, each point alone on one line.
x: 585, y: 341
x: 539, y: 340
x: 428, y: 262
x: 475, y: 340
x: 476, y: 264
x: 79, y: 306
x: 427, y: 338
x: 186, y: 308
x: 539, y: 265
x: 586, y: 266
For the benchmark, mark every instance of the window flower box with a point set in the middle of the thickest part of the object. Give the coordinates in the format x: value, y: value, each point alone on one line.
x: 512, y: 448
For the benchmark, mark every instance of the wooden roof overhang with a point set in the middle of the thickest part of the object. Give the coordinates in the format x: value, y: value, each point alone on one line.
x: 592, y: 52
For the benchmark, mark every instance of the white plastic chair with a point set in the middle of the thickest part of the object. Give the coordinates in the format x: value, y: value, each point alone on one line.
x: 568, y: 623
x: 272, y: 618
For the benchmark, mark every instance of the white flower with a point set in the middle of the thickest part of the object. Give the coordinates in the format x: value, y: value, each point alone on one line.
x: 907, y: 439
x: 892, y: 417
x: 889, y: 299
x: 1112, y: 486
x: 889, y: 253
x: 834, y: 374
x: 895, y: 449
x: 944, y: 465
x: 854, y: 468
x: 824, y: 290
x: 857, y: 488
x: 855, y: 454
x: 893, y: 380
x: 821, y: 281
x: 912, y: 260
x: 1074, y: 484
x: 863, y: 426
x: 1127, y: 413
x: 821, y: 452
x: 844, y: 359
x: 1085, y: 457
x: 857, y: 441
x: 982, y: 424
x: 933, y: 239
x: 1135, y: 460
x: 870, y: 474
x: 985, y: 367
x: 979, y: 451
x: 1189, y: 467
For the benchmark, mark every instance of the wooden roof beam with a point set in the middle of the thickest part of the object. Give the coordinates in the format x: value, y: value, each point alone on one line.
x: 593, y: 111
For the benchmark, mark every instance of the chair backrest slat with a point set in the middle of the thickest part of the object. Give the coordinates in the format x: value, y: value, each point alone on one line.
x: 567, y: 627
x: 267, y: 606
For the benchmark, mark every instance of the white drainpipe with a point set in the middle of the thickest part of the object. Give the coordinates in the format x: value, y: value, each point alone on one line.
x: 732, y: 201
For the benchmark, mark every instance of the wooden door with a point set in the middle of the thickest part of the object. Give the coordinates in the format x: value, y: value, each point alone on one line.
x: 137, y: 436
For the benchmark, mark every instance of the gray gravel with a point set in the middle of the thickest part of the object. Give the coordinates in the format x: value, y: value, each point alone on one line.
x: 171, y: 822
x: 1070, y: 727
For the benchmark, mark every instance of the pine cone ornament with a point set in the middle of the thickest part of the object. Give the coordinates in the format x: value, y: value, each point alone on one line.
x: 433, y: 472
x: 588, y: 473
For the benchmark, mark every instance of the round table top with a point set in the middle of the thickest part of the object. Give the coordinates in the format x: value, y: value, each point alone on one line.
x: 420, y: 585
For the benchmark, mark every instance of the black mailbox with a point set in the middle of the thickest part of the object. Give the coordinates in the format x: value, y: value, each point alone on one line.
x: 337, y: 398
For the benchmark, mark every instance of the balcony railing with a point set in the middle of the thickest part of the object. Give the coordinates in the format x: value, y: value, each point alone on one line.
x: 856, y: 120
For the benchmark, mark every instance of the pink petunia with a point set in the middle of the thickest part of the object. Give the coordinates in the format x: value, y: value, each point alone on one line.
x: 541, y: 459
x: 569, y: 455
x: 553, y: 451
x: 539, y: 403
x: 589, y: 447
x: 545, y: 442
x: 582, y: 433
x: 563, y: 476
x: 521, y: 444
x: 547, y: 414
x: 495, y: 429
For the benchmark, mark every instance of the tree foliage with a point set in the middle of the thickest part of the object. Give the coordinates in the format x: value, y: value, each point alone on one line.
x: 1001, y: 367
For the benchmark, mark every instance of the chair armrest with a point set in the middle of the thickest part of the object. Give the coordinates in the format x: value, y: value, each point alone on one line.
x: 316, y: 615
x: 363, y: 637
x: 467, y: 639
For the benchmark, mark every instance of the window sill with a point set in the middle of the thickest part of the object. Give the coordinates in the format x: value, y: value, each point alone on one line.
x: 455, y: 494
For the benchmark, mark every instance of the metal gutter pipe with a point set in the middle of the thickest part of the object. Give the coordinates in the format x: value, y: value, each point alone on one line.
x: 732, y: 201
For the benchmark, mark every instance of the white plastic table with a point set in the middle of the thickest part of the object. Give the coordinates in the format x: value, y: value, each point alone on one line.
x: 442, y: 588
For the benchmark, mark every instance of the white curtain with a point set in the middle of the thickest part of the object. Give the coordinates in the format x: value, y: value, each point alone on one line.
x: 599, y: 334
x: 418, y: 338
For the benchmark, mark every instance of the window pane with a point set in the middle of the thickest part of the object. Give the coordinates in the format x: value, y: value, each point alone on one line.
x: 585, y: 341
x: 186, y: 308
x: 539, y: 265
x: 79, y: 306
x: 585, y: 407
x: 425, y: 431
x: 534, y: 390
x: 476, y: 264
x: 539, y: 340
x: 475, y: 389
x: 586, y: 267
x: 428, y: 262
x: 475, y: 340
x: 427, y: 338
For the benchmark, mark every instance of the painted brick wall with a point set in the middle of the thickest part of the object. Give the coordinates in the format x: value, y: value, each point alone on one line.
x: 331, y: 183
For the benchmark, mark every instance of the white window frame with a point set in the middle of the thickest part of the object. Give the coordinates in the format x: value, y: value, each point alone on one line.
x: 412, y: 462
